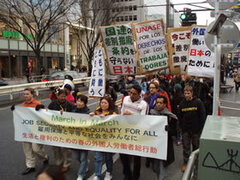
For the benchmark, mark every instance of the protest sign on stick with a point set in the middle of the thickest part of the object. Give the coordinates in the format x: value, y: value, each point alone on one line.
x: 151, y: 45
x: 178, y: 43
x: 97, y: 82
x: 119, y: 46
x: 201, y: 59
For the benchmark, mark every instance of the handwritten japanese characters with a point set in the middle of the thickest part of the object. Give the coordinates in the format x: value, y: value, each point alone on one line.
x: 119, y: 46
x: 180, y: 41
x: 201, y: 58
x: 97, y: 83
x: 151, y: 45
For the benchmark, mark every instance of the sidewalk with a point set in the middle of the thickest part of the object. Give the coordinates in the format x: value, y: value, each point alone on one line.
x: 233, y: 95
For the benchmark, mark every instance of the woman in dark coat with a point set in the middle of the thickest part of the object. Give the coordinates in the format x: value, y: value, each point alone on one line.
x: 160, y: 109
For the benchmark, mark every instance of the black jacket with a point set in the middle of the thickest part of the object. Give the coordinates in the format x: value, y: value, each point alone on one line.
x: 192, y: 115
x: 66, y: 106
x: 84, y: 110
x: 170, y: 148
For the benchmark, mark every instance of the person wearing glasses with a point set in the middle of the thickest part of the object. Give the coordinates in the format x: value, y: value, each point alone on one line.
x: 154, y: 91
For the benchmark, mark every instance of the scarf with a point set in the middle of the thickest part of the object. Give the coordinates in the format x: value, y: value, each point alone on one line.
x: 153, y: 98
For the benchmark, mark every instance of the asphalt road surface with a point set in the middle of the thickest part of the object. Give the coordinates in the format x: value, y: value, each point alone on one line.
x: 13, y: 161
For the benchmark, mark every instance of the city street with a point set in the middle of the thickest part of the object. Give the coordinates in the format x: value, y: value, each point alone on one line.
x: 12, y: 157
x: 177, y: 49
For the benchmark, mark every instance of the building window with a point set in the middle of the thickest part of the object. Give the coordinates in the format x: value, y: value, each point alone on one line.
x: 135, y: 17
x: 113, y: 1
x: 126, y: 18
x: 134, y: 7
x: 113, y: 10
x: 130, y: 18
x: 122, y: 19
x: 117, y: 0
x: 126, y: 8
x: 117, y: 19
x: 117, y: 9
x: 121, y: 9
x: 130, y: 8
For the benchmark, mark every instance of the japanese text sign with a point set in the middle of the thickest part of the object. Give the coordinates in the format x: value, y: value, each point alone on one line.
x: 201, y: 59
x: 151, y: 45
x: 97, y: 82
x: 180, y: 40
x: 134, y: 134
x: 119, y: 46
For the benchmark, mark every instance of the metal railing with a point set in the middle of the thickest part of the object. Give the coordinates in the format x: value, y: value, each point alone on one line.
x: 37, y: 86
x: 44, y: 85
x: 191, y: 169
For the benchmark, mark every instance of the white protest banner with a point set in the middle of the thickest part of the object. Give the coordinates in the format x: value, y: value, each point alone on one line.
x: 119, y: 47
x: 97, y: 83
x: 151, y: 45
x: 180, y: 40
x: 134, y: 134
x: 201, y: 59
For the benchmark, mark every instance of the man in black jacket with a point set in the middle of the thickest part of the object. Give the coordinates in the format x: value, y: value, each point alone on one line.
x: 192, y: 117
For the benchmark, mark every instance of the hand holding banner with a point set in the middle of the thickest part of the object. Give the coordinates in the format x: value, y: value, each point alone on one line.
x: 134, y: 134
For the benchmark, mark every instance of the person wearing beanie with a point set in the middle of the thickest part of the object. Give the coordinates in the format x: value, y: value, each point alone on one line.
x: 68, y: 89
x: 178, y: 86
x: 177, y: 97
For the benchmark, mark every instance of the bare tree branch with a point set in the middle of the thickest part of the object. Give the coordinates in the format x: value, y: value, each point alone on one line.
x: 92, y: 14
x: 42, y: 18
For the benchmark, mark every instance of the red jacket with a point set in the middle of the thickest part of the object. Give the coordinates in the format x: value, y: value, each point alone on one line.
x: 162, y: 93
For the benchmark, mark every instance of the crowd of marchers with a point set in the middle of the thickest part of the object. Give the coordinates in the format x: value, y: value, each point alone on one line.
x: 184, y: 100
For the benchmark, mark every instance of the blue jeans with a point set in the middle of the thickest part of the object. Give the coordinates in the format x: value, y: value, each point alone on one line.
x: 82, y: 156
x: 99, y: 157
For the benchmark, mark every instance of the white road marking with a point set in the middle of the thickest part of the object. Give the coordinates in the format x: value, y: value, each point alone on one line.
x: 225, y: 107
x: 227, y: 101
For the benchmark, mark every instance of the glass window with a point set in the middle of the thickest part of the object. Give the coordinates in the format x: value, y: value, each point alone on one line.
x: 126, y: 8
x: 122, y: 19
x: 130, y: 8
x: 130, y: 18
x: 135, y: 17
x: 134, y: 7
x: 126, y: 18
x: 117, y: 19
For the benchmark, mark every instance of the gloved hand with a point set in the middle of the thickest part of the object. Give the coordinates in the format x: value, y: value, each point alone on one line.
x: 39, y: 106
x: 12, y: 107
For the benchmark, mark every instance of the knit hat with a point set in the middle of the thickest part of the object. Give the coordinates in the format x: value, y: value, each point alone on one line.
x: 68, y: 86
x: 177, y: 86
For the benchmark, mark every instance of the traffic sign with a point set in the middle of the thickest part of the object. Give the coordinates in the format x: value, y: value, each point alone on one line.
x: 229, y: 37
